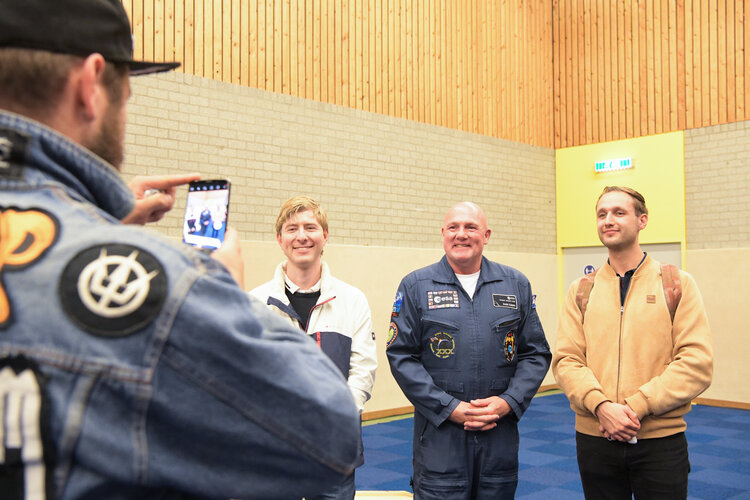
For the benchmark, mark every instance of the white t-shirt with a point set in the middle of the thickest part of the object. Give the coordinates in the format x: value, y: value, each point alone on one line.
x: 469, y: 282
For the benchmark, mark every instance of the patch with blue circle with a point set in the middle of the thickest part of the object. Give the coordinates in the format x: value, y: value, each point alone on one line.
x: 510, y: 346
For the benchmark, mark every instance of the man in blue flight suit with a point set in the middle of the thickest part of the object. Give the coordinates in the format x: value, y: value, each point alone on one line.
x: 466, y: 346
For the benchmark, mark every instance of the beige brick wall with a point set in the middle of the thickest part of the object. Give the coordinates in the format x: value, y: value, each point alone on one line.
x: 384, y: 181
x: 717, y: 182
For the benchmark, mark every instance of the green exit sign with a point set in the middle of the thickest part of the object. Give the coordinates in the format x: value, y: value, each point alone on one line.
x: 611, y: 165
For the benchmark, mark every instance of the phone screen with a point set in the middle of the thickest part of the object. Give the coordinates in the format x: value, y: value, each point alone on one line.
x: 206, y: 213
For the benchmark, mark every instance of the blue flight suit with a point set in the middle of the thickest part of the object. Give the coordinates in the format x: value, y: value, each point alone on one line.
x: 443, y: 348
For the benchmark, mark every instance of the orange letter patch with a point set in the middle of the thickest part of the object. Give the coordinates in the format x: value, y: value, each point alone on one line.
x: 24, y: 236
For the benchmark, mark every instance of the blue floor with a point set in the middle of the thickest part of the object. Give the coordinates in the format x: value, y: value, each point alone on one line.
x: 719, y: 444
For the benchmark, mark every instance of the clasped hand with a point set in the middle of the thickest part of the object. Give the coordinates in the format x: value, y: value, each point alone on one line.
x: 617, y: 422
x: 480, y: 414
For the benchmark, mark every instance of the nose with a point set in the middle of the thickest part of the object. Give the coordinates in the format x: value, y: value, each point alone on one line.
x: 301, y: 234
x: 460, y: 232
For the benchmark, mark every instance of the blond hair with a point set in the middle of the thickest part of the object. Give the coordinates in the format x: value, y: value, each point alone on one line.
x: 297, y: 204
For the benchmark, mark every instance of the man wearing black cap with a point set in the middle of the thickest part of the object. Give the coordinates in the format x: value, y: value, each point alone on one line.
x: 131, y: 367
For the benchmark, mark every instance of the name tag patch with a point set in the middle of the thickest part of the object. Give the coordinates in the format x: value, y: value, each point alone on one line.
x: 442, y: 298
x: 505, y: 301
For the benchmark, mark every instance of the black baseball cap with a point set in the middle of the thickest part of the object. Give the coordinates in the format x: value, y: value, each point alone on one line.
x: 75, y: 27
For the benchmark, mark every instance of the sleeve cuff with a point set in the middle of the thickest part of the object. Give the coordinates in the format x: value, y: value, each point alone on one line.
x: 360, y: 397
x: 514, y: 406
x: 438, y: 419
x: 593, y: 400
x: 639, y: 405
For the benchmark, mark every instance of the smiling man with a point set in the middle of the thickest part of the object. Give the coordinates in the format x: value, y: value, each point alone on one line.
x: 633, y: 367
x: 332, y: 313
x: 466, y: 346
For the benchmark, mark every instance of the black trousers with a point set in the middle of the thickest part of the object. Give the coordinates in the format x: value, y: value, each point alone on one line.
x: 650, y: 469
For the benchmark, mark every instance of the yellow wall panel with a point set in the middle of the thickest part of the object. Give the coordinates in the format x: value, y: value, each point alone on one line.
x: 658, y: 175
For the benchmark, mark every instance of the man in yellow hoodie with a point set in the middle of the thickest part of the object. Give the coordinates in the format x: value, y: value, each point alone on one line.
x: 629, y: 369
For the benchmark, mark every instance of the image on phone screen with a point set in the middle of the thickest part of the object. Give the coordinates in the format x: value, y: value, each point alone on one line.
x: 206, y: 213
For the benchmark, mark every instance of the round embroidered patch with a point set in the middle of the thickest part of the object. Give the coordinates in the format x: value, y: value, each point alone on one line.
x: 392, y: 334
x: 442, y: 345
x: 113, y: 290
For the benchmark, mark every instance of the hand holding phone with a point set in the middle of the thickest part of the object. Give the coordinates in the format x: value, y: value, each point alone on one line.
x: 154, y: 196
x: 206, y: 213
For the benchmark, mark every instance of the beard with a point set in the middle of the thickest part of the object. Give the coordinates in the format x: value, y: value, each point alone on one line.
x: 108, y: 142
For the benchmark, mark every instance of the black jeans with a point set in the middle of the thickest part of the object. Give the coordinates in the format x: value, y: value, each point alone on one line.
x: 650, y: 469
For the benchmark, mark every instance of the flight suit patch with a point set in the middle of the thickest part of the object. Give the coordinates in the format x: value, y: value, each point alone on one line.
x: 392, y: 334
x: 442, y: 298
x: 650, y: 299
x: 510, y: 346
x: 113, y: 290
x: 504, y: 301
x: 442, y: 345
x: 397, y: 304
x: 25, y: 235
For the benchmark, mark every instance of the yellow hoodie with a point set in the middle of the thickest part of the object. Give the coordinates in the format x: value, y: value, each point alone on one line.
x: 634, y: 355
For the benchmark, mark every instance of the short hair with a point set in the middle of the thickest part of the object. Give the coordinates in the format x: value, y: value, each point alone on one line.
x: 297, y: 204
x: 32, y: 81
x: 639, y: 202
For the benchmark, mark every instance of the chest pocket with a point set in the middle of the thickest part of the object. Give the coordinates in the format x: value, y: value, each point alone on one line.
x: 505, y: 336
x: 440, y: 344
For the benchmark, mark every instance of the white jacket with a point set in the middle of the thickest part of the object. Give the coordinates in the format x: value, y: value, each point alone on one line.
x: 340, y: 323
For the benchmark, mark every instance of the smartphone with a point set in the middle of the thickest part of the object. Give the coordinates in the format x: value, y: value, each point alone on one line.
x: 206, y: 213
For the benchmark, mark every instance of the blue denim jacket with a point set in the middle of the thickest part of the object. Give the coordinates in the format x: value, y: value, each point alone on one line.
x: 158, y: 376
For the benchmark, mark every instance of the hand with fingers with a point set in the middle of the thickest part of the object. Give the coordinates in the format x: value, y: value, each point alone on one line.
x: 154, y: 196
x: 617, y: 422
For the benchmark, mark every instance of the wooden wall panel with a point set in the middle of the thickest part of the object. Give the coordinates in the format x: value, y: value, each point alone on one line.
x: 483, y: 66
x: 628, y: 68
x: 552, y: 73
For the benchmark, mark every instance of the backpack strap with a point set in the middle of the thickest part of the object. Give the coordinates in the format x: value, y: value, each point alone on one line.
x: 583, y: 292
x: 670, y: 279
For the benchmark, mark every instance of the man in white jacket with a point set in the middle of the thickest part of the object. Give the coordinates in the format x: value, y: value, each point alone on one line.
x: 334, y: 314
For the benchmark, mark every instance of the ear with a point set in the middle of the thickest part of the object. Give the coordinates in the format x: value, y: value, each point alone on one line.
x: 89, y: 91
x: 642, y: 221
x: 278, y: 238
x: 487, y: 235
x: 325, y: 237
